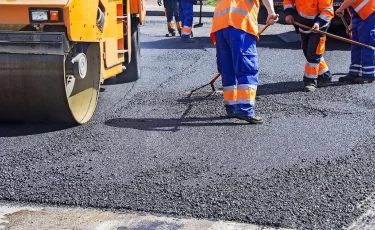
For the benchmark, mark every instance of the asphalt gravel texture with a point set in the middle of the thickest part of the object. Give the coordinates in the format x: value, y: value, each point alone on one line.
x: 150, y: 148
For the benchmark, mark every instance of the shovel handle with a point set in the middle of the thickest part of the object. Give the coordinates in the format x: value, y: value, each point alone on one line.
x: 335, y: 36
x: 266, y: 26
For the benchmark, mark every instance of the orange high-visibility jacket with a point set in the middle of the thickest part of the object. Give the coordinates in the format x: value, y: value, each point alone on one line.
x: 241, y: 14
x: 310, y: 9
x: 364, y: 8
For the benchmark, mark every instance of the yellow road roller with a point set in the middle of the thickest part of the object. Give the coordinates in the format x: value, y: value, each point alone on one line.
x: 55, y: 54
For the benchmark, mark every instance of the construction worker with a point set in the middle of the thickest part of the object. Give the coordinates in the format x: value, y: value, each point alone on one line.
x: 234, y: 32
x: 362, y: 26
x: 171, y: 9
x: 187, y: 15
x: 316, y: 14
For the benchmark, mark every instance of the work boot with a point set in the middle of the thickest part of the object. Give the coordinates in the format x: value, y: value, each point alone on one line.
x: 310, y: 84
x: 179, y: 32
x: 364, y: 80
x: 348, y: 78
x: 171, y: 34
x: 324, y: 79
x: 250, y: 119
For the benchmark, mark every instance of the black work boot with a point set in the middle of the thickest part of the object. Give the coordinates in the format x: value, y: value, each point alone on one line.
x: 324, y: 79
x: 179, y: 31
x: 171, y: 32
x: 309, y: 84
x: 250, y: 119
x: 348, y: 78
x: 364, y: 80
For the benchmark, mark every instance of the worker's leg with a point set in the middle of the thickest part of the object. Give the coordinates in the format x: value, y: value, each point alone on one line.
x: 315, y: 63
x: 188, y: 19
x: 176, y: 14
x: 355, y: 69
x: 367, y: 36
x: 245, y: 57
x: 168, y: 4
x: 226, y: 69
x: 181, y: 12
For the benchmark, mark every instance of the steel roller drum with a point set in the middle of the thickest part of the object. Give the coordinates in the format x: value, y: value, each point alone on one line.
x: 35, y: 89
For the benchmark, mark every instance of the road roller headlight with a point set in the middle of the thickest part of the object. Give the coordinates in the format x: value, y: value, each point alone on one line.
x: 39, y: 16
x: 45, y: 15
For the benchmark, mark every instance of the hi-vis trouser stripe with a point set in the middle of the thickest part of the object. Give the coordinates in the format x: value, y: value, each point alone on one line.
x: 356, y: 69
x: 186, y: 30
x: 246, y: 94
x: 360, y: 6
x: 230, y: 95
x: 312, y: 70
x: 239, y: 11
x: 240, y: 94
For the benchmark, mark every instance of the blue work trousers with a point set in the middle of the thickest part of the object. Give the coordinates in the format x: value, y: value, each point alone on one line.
x: 237, y: 62
x: 363, y: 31
x: 187, y: 16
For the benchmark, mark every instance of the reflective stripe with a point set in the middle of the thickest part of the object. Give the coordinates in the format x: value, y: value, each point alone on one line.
x: 236, y: 10
x: 360, y: 6
x: 329, y: 8
x: 246, y: 102
x: 324, y: 17
x: 229, y: 88
x: 306, y: 16
x: 370, y: 72
x: 356, y: 65
x: 253, y: 5
x: 368, y: 67
x: 313, y: 65
x: 186, y: 30
x: 288, y: 6
x: 323, y: 71
x: 247, y: 86
x: 355, y: 70
x: 311, y: 76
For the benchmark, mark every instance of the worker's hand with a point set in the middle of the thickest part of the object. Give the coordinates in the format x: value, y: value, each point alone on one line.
x: 315, y: 28
x: 340, y: 12
x: 272, y: 18
x: 160, y: 3
x: 289, y: 19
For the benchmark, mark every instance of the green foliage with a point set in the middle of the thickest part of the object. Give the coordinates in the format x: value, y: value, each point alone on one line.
x: 210, y: 2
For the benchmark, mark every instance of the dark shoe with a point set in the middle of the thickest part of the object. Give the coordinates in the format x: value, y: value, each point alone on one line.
x: 324, y: 79
x: 309, y: 84
x: 348, y: 78
x: 187, y: 40
x: 179, y: 32
x: 171, y: 34
x: 250, y: 119
x: 364, y: 80
x: 191, y: 34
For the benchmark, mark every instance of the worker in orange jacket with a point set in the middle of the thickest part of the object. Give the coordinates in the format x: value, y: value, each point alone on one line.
x: 362, y: 26
x: 318, y: 15
x: 234, y: 31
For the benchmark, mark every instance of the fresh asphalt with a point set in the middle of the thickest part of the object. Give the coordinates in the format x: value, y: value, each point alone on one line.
x: 150, y: 148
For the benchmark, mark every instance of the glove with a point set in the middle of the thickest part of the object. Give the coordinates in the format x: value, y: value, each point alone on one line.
x: 160, y: 3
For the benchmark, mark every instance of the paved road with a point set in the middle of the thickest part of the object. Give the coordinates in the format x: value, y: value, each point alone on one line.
x: 149, y: 148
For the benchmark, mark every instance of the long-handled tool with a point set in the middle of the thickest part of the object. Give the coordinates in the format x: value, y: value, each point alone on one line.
x: 346, y: 25
x: 337, y: 37
x: 211, y: 83
x: 200, y: 24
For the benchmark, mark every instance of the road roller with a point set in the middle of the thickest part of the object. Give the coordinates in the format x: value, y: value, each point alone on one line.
x: 55, y: 54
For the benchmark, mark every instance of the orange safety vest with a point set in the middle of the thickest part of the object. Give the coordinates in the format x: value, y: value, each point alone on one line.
x: 364, y: 8
x: 309, y: 9
x: 241, y: 14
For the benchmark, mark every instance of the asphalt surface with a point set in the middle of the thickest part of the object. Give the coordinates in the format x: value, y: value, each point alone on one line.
x: 149, y: 148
